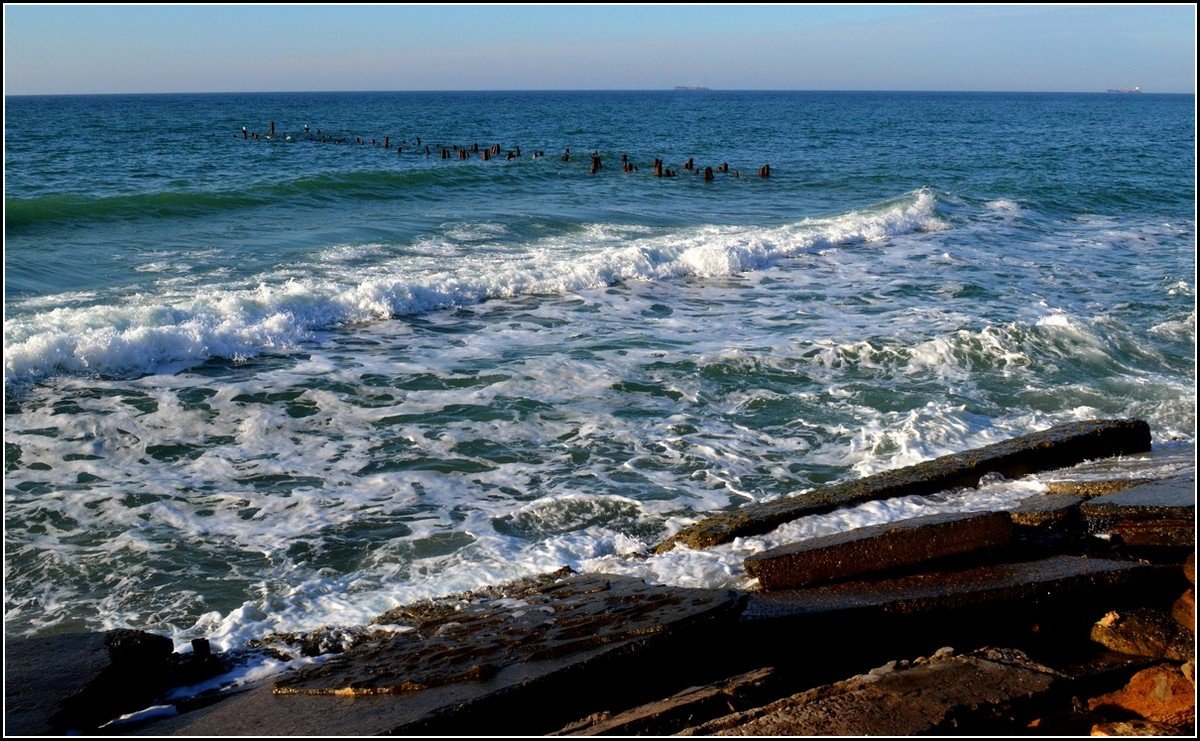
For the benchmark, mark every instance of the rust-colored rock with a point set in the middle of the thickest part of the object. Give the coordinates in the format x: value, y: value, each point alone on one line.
x: 878, y: 548
x: 1057, y: 447
x: 1189, y: 569
x: 1160, y: 694
x: 1184, y: 610
x: 1144, y: 632
x: 1137, y: 728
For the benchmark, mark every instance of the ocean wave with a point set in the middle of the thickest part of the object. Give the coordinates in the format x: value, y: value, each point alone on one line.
x: 142, y: 334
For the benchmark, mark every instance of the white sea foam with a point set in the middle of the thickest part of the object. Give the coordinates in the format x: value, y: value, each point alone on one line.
x: 140, y: 335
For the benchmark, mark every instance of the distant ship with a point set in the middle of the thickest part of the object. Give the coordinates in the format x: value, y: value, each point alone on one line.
x: 690, y: 87
x: 1134, y: 89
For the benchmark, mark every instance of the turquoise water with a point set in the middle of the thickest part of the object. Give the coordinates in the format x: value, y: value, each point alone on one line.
x: 274, y: 384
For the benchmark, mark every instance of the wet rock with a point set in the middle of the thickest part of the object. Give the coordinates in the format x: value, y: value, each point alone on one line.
x: 506, y: 659
x: 1057, y: 447
x: 1144, y: 632
x: 878, y: 548
x: 1160, y: 694
x: 1057, y: 512
x: 1028, y: 583
x: 1184, y: 610
x: 1137, y: 728
x: 1088, y: 488
x: 1158, y: 514
x: 930, y: 696
x: 77, y: 681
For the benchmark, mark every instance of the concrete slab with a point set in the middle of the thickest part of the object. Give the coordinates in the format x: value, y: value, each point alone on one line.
x: 1162, y: 513
x: 1057, y: 447
x: 878, y: 548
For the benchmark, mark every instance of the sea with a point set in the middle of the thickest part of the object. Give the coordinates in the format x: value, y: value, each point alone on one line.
x: 258, y: 383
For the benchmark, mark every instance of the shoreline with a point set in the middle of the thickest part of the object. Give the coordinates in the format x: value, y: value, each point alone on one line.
x: 666, y: 659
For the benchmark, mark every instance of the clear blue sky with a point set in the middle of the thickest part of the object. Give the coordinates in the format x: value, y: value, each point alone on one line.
x: 278, y: 48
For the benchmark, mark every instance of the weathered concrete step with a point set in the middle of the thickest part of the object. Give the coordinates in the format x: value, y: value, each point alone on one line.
x: 921, y: 699
x: 683, y: 709
x: 1162, y: 513
x: 878, y: 548
x: 1055, y: 512
x: 506, y: 659
x: 1028, y: 583
x: 1057, y: 447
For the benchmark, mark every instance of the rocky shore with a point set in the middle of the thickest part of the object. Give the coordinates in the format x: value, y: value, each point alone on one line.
x: 1072, y: 614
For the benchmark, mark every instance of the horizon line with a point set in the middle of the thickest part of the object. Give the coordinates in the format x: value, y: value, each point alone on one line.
x: 1112, y: 91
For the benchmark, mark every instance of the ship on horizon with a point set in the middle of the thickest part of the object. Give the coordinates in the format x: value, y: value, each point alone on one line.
x: 1127, y: 90
x: 690, y: 87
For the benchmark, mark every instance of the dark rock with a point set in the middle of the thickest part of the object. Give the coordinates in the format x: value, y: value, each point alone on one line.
x: 931, y: 696
x: 878, y: 548
x: 1157, y: 514
x: 1057, y: 447
x: 1160, y: 694
x: 690, y: 707
x: 77, y: 681
x: 507, y: 659
x: 1189, y: 569
x: 1058, y: 512
x: 1027, y: 584
x: 1184, y: 610
x: 1145, y: 632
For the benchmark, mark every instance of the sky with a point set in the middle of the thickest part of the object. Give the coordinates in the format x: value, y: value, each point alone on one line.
x: 162, y: 49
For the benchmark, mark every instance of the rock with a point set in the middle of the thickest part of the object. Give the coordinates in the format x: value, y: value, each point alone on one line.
x: 690, y: 707
x: 878, y: 548
x: 1088, y: 488
x: 501, y: 660
x: 1144, y: 632
x: 929, y: 697
x: 74, y: 682
x: 1058, y: 512
x: 1158, y: 514
x: 1137, y: 728
x: 1057, y: 447
x: 1189, y: 569
x: 1160, y: 694
x: 1184, y: 610
x: 1049, y: 580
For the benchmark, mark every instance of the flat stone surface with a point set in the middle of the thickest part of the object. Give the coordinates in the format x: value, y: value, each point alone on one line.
x: 1138, y: 728
x: 1057, y: 447
x: 1088, y: 488
x: 693, y: 705
x: 1162, y: 513
x: 487, y: 659
x: 878, y: 548
x: 921, y: 699
x: 75, y: 681
x: 1048, y: 511
x: 1029, y: 582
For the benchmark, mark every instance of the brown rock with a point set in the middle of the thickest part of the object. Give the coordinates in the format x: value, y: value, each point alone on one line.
x: 1092, y: 487
x: 1158, y: 514
x: 1049, y: 511
x: 1144, y: 632
x: 1057, y: 447
x: 878, y: 548
x: 1160, y: 694
x: 1189, y: 569
x: 928, y: 697
x: 1184, y: 610
x: 1136, y: 728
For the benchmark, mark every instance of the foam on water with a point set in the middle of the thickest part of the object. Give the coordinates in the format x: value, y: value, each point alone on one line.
x: 138, y: 336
